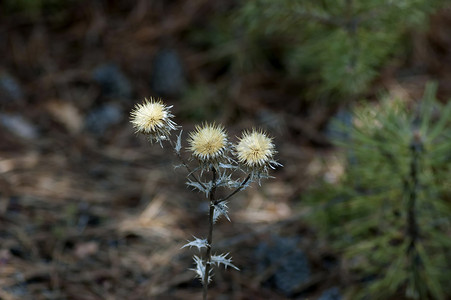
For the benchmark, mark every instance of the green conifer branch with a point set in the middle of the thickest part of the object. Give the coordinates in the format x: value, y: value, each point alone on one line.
x: 403, y: 246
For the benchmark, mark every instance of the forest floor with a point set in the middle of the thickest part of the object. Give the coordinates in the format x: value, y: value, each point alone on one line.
x: 89, y: 210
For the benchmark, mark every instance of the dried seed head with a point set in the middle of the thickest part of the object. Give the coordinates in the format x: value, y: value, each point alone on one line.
x: 208, y: 144
x: 153, y: 118
x: 255, y: 152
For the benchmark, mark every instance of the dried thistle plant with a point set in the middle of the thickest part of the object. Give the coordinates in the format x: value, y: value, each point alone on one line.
x: 214, y: 163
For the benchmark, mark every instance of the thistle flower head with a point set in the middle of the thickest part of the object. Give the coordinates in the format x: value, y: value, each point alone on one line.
x: 208, y: 144
x: 255, y: 152
x: 153, y: 118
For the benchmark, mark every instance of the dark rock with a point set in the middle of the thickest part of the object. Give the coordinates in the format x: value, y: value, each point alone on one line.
x: 328, y: 261
x: 10, y: 89
x: 167, y: 78
x: 100, y: 119
x: 17, y: 251
x: 19, y: 126
x: 331, y: 294
x: 292, y: 266
x: 112, y: 81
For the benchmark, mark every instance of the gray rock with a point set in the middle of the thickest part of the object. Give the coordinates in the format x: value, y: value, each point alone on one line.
x: 331, y: 294
x: 292, y: 266
x: 19, y: 126
x: 100, y: 119
x: 112, y: 81
x: 167, y: 78
x: 10, y: 89
x: 20, y: 289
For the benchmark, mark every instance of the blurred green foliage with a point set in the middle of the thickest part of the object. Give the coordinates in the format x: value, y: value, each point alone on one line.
x: 336, y: 48
x: 390, y: 214
x: 202, y: 102
x: 36, y: 8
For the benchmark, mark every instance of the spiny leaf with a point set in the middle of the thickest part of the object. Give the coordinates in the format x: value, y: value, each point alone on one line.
x: 178, y: 145
x: 222, y: 259
x: 200, y: 269
x: 199, y: 243
x: 221, y: 209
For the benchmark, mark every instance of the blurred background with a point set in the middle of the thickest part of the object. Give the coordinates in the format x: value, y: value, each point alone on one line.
x: 89, y: 210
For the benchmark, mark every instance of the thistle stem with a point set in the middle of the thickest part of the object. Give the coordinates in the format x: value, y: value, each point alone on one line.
x: 210, y: 235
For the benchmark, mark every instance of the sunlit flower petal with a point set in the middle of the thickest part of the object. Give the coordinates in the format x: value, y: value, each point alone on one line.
x: 153, y: 118
x: 208, y: 144
x: 255, y: 152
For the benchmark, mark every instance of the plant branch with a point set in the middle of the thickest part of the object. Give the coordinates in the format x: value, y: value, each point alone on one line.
x: 235, y: 191
x: 190, y: 172
x: 412, y: 226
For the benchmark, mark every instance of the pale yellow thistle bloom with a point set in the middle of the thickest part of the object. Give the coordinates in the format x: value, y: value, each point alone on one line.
x: 255, y: 151
x: 208, y: 143
x: 153, y: 118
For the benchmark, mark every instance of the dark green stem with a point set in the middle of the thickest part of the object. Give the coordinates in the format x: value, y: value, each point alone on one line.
x: 210, y: 234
